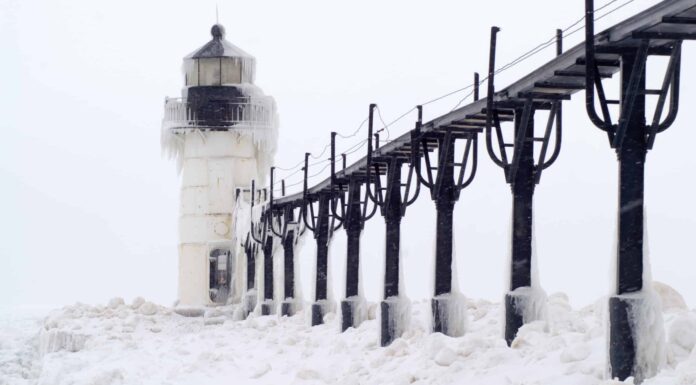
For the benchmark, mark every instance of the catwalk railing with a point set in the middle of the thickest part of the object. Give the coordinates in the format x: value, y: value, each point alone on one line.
x: 181, y: 113
x: 375, y: 183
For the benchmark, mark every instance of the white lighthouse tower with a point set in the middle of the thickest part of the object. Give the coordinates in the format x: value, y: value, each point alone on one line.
x: 222, y: 133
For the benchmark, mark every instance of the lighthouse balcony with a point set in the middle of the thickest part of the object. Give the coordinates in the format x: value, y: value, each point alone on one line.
x: 244, y: 113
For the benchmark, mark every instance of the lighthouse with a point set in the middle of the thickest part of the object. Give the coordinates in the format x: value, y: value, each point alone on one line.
x: 222, y: 132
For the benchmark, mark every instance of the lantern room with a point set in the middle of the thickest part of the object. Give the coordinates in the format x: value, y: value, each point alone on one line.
x: 218, y: 63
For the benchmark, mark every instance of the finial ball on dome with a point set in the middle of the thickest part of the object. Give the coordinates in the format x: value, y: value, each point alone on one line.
x: 218, y: 31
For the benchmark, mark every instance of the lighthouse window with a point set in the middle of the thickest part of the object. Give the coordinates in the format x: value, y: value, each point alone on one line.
x: 209, y: 71
x: 191, y: 72
x: 231, y: 71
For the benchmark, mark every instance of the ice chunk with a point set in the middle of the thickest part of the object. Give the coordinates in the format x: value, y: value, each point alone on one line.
x: 116, y: 302
x: 148, y: 308
x: 189, y: 311
x: 576, y: 353
x: 670, y: 298
x: 137, y: 302
x: 54, y: 340
x: 259, y: 370
x: 682, y: 332
x: 445, y: 357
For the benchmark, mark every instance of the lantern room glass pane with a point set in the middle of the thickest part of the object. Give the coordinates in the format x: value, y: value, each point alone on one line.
x: 231, y: 71
x: 209, y: 71
x: 191, y: 72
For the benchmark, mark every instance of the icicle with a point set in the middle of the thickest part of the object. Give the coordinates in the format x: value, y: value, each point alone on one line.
x: 257, y: 120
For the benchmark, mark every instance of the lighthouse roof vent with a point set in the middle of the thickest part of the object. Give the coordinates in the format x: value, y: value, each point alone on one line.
x: 218, y: 63
x: 218, y: 47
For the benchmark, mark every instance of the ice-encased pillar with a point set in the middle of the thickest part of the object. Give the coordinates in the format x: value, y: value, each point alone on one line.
x: 629, y: 273
x: 287, y: 306
x: 319, y: 307
x: 353, y: 226
x: 267, y: 305
x: 391, y: 327
x: 444, y: 205
x: 213, y: 164
x: 522, y: 186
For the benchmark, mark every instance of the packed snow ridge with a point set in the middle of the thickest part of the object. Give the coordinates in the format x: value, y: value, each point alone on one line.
x: 143, y: 343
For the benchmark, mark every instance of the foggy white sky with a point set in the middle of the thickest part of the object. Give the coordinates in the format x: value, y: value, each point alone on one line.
x: 88, y: 208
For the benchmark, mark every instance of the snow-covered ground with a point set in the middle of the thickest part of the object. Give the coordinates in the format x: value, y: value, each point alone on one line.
x: 143, y: 343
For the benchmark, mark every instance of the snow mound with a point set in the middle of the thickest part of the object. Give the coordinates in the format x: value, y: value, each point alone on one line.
x: 682, y: 334
x: 189, y: 311
x: 103, y: 345
x: 670, y: 298
x: 114, y: 303
x: 54, y: 340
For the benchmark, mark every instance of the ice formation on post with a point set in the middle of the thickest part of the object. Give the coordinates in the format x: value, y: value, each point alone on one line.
x: 645, y: 322
x: 222, y: 133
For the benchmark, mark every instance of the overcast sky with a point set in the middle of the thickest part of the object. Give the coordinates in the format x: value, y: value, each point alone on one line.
x: 88, y: 206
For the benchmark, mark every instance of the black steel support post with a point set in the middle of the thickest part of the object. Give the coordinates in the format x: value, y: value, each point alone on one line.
x: 353, y: 224
x: 392, y: 219
x: 631, y: 137
x: 522, y: 185
x: 523, y: 173
x: 321, y: 233
x: 392, y: 207
x: 445, y: 198
x: 261, y: 235
x: 251, y: 268
x: 392, y: 212
x: 629, y: 275
x: 267, y: 305
x: 249, y: 300
x: 286, y: 308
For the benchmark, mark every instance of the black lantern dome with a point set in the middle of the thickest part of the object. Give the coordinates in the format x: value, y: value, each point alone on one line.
x: 218, y: 63
x: 219, y: 95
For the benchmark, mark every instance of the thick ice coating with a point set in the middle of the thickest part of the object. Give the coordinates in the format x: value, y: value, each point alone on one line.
x: 222, y: 132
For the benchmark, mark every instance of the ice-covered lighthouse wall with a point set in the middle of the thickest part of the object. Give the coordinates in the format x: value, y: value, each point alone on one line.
x: 214, y: 162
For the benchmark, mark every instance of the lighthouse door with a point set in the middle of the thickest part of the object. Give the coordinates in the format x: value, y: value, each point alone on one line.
x: 220, y: 264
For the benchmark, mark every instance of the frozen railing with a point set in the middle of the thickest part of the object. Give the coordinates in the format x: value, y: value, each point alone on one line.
x: 255, y: 112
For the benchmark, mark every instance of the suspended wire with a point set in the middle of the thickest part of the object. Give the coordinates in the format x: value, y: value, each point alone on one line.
x: 538, y: 48
x: 350, y: 150
x: 462, y: 100
x: 299, y: 164
x: 322, y: 152
x: 384, y: 125
x: 355, y: 132
x: 552, y: 40
x: 355, y: 147
x: 308, y: 177
x: 291, y: 168
x: 446, y: 95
